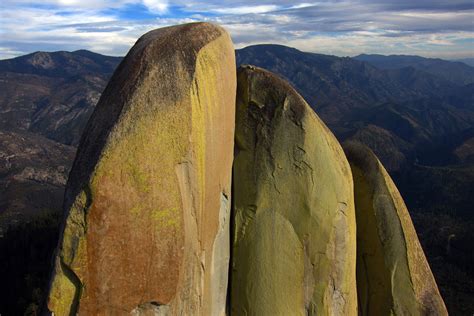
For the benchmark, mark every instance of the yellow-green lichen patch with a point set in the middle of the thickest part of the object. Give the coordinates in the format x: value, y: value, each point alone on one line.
x: 61, y: 297
x: 139, y: 176
x: 165, y: 217
x: 71, y: 264
x: 74, y: 232
x: 65, y: 291
x: 136, y: 210
x: 141, y: 164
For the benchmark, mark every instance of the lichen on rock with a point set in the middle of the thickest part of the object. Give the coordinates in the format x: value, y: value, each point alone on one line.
x: 143, y: 200
x: 294, y: 223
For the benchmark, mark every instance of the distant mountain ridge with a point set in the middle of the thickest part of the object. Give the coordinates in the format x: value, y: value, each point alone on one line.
x: 467, y: 61
x: 455, y: 71
x: 61, y: 64
x: 52, y: 94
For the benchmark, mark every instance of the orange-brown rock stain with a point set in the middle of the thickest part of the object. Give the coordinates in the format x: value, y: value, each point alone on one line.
x: 119, y: 275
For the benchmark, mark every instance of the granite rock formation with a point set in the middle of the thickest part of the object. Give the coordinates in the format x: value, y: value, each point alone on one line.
x: 393, y: 276
x: 148, y: 228
x: 294, y: 232
x: 148, y: 198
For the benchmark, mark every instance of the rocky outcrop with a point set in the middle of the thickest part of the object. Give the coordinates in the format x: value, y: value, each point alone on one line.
x: 147, y: 200
x: 393, y: 276
x: 294, y: 233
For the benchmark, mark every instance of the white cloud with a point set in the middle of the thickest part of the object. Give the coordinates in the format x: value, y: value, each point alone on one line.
x: 67, y: 4
x: 304, y: 5
x: 157, y: 6
x: 439, y: 40
x: 247, y: 9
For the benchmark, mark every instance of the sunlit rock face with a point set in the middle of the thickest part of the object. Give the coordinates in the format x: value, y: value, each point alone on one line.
x: 294, y: 238
x: 148, y: 198
x: 393, y: 276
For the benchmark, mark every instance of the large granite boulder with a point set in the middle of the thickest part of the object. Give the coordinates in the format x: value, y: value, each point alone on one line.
x: 393, y: 276
x: 294, y: 238
x: 148, y: 198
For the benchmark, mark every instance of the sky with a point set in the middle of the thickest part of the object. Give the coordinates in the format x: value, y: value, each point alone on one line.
x: 431, y: 28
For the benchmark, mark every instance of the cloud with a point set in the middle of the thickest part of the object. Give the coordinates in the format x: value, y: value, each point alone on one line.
x: 246, y: 9
x: 158, y: 6
x: 347, y: 27
x: 64, y: 4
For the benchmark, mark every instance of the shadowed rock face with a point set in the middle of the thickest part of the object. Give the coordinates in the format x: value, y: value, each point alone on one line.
x: 147, y: 200
x: 294, y: 223
x: 393, y: 276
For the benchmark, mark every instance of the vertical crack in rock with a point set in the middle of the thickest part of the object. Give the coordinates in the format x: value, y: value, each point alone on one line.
x: 191, y: 272
x: 220, y: 258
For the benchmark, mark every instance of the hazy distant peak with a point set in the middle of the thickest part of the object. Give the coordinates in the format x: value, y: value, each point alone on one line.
x: 453, y: 71
x: 60, y: 63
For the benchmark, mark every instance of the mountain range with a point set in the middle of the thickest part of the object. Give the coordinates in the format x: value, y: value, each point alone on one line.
x: 417, y: 114
x: 454, y: 71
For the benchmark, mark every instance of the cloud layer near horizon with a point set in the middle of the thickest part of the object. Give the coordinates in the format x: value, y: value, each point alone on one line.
x: 431, y: 28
